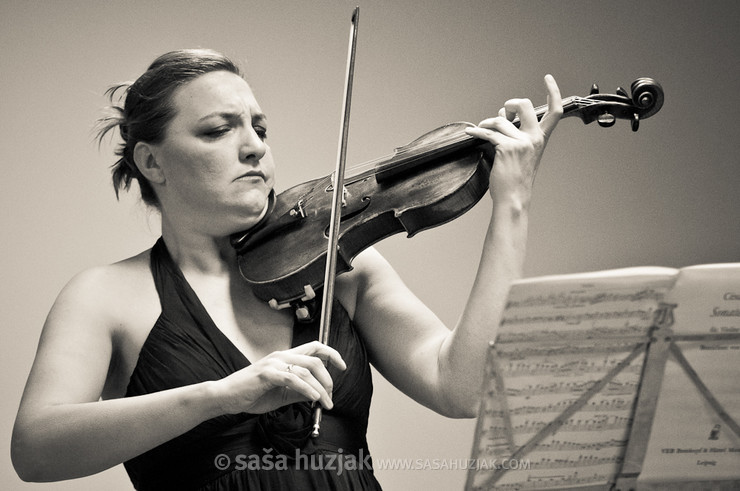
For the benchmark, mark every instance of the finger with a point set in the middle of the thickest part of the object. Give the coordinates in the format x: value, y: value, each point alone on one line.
x: 494, y: 137
x: 322, y: 351
x: 524, y: 109
x: 496, y: 130
x: 317, y: 386
x: 293, y: 388
x: 554, y: 106
x: 311, y: 370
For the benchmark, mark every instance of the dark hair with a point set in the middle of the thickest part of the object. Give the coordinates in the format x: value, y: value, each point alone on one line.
x: 145, y: 108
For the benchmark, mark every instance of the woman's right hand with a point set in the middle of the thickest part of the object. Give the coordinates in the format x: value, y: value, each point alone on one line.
x: 281, y: 378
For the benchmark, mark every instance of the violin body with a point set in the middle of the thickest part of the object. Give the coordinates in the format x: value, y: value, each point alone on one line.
x: 289, y: 250
x: 432, y: 180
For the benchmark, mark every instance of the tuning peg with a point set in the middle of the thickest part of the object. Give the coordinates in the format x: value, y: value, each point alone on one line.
x: 635, y: 121
x: 606, y: 119
x: 594, y: 89
x: 622, y: 92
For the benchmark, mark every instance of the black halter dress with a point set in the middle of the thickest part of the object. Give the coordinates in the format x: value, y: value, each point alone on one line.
x: 246, y: 451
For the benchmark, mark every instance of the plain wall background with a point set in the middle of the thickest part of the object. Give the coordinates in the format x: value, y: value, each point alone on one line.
x: 605, y: 198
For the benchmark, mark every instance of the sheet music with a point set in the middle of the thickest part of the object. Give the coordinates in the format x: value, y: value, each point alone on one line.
x: 561, y: 338
x: 689, y: 441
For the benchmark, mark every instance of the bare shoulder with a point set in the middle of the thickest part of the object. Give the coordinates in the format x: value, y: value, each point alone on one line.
x: 104, y: 291
x: 93, y: 333
x: 370, y: 274
x: 115, y: 304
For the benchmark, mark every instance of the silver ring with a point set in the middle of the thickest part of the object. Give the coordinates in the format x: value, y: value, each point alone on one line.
x: 289, y: 368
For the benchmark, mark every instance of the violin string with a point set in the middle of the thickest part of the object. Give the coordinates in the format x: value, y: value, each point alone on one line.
x: 358, y: 171
x: 361, y: 169
x: 456, y: 138
x: 403, y: 154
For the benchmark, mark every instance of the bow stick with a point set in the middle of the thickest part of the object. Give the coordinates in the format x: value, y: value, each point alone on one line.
x: 336, y: 204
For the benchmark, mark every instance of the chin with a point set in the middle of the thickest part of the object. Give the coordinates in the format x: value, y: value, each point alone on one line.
x: 249, y: 217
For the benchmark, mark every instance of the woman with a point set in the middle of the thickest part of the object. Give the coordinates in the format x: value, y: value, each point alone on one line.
x: 166, y: 361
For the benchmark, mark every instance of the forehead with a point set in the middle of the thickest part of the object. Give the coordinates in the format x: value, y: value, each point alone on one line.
x: 214, y: 92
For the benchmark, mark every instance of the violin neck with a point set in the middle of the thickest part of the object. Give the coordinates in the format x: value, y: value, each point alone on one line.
x: 418, y: 153
x: 411, y: 157
x: 571, y: 107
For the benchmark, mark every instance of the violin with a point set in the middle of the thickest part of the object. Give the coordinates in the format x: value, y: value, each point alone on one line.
x: 426, y: 183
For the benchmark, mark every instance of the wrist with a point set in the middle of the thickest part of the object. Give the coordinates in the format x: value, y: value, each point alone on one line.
x: 511, y: 206
x: 210, y: 399
x: 507, y: 234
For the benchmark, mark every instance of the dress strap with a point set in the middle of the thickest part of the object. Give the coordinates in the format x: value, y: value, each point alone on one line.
x: 181, y: 305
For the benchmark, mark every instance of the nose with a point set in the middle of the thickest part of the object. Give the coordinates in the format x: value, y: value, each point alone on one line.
x: 252, y: 146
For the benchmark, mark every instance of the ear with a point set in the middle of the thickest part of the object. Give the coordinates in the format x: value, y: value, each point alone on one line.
x: 147, y: 163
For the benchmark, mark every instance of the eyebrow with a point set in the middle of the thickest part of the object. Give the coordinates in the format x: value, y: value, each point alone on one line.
x: 256, y: 118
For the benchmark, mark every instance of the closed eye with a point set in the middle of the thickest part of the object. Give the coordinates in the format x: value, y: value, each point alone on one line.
x: 261, y: 132
x: 217, y: 132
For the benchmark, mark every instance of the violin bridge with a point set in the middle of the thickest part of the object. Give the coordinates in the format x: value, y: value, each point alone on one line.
x: 298, y: 211
x: 309, y: 294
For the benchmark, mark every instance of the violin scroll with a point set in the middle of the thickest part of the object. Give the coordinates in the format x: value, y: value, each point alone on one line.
x: 648, y: 95
x: 646, y: 99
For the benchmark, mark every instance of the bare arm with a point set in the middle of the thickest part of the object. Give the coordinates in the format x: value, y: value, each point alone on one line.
x: 439, y: 367
x: 63, y: 429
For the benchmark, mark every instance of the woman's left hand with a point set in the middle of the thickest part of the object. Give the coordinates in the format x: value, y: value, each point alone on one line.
x: 519, y: 150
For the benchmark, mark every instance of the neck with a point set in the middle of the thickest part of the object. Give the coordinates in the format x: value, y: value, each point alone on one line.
x: 200, y: 252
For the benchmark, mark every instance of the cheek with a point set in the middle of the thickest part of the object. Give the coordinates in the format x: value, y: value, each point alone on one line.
x: 191, y: 179
x: 268, y: 167
x: 194, y: 165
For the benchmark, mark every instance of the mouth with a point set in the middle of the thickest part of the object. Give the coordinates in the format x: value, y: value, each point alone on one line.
x: 251, y: 175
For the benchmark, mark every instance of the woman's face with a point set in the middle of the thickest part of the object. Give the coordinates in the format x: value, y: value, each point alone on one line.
x: 217, y: 168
